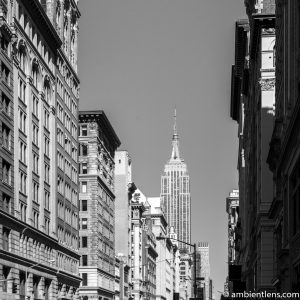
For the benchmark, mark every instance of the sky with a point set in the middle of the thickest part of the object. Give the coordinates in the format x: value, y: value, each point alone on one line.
x: 138, y: 60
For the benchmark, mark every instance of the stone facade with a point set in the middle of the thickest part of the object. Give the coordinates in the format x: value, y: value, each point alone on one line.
x: 39, y: 253
x: 252, y: 106
x: 124, y: 188
x: 97, y: 145
x: 185, y: 285
x: 283, y: 156
x: 234, y: 227
x: 203, y: 248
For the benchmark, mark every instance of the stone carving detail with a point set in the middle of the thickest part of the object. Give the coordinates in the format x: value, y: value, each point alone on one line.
x: 267, y: 84
x: 93, y: 126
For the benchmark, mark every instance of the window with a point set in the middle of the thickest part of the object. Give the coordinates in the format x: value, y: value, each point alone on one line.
x: 47, y: 225
x: 35, y: 160
x: 46, y: 145
x: 22, y: 121
x: 35, y: 106
x: 35, y: 219
x: 23, y: 210
x: 47, y: 91
x: 84, y: 150
x: 4, y: 44
x: 84, y: 242
x: 84, y: 130
x: 84, y: 205
x: 6, y: 172
x: 35, y: 74
x: 5, y: 104
x: 84, y: 279
x: 22, y: 90
x: 6, y: 202
x: 47, y: 199
x: 84, y: 168
x: 5, y: 243
x: 83, y: 187
x: 84, y: 260
x: 6, y: 141
x: 35, y: 188
x: 84, y: 223
x: 47, y: 171
x: 5, y: 74
x: 46, y: 118
x: 35, y: 136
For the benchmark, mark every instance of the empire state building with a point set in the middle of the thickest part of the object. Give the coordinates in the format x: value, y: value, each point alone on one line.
x: 175, y: 192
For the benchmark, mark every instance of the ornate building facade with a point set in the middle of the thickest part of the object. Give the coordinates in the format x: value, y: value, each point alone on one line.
x: 124, y: 188
x: 175, y: 193
x: 97, y: 145
x: 234, y: 229
x: 252, y: 106
x: 284, y: 150
x: 40, y: 86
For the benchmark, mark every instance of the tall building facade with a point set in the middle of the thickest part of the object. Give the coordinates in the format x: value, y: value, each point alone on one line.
x: 252, y: 106
x: 97, y: 144
x: 203, y: 248
x: 164, y: 272
x: 234, y: 229
x: 284, y: 151
x: 175, y: 193
x: 39, y: 224
x: 186, y: 270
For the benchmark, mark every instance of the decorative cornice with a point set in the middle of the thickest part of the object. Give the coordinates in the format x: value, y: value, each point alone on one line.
x: 36, y: 10
x: 267, y: 84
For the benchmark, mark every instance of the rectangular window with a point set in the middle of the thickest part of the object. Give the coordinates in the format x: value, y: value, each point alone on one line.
x: 6, y: 139
x: 47, y: 199
x: 84, y: 130
x: 47, y: 171
x: 5, y: 74
x: 46, y: 119
x: 5, y: 202
x: 84, y: 260
x: 84, y: 242
x: 35, y: 106
x: 84, y: 223
x: 84, y: 205
x: 46, y: 145
x: 6, y: 172
x: 22, y: 121
x: 5, y: 104
x: 5, y: 244
x: 83, y: 187
x: 84, y: 279
x: 35, y: 134
x: 84, y: 168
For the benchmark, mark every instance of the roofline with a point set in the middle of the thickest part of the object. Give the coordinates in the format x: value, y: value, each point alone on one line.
x: 100, y: 114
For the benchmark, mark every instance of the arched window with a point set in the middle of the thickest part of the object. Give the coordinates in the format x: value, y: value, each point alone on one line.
x: 35, y: 74
x: 47, y: 90
x: 22, y: 58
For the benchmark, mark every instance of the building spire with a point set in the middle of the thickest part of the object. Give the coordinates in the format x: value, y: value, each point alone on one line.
x: 175, y: 141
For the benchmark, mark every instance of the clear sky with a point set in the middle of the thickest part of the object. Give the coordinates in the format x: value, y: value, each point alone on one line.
x: 138, y: 59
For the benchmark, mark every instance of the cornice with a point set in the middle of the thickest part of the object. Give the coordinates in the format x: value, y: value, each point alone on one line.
x: 47, y: 29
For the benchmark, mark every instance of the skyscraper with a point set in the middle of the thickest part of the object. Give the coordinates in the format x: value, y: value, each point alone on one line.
x: 175, y: 192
